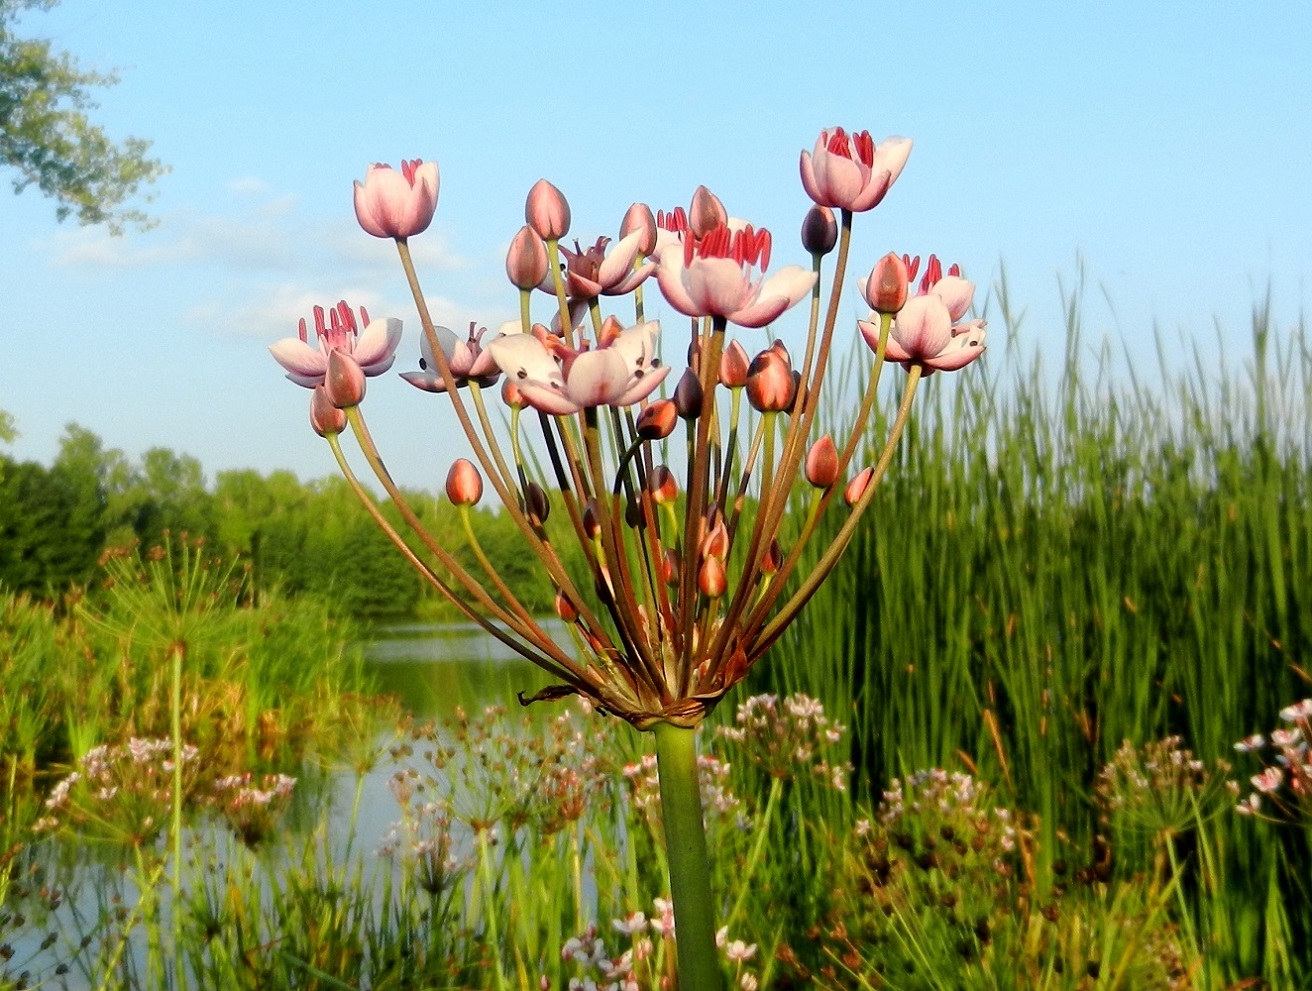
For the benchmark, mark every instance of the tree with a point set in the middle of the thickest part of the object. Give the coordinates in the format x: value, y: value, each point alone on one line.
x: 46, y: 136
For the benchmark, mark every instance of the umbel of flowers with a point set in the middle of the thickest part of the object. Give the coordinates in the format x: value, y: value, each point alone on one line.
x: 676, y: 484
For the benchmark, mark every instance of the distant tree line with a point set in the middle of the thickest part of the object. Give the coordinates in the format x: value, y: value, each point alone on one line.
x: 309, y: 538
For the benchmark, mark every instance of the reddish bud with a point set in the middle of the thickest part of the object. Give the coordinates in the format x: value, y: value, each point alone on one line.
x: 344, y: 381
x: 819, y: 230
x: 464, y: 485
x: 715, y: 542
x: 511, y: 396
x: 857, y: 487
x: 711, y: 578
x: 670, y: 567
x: 591, y: 525
x: 822, y: 463
x: 546, y: 211
x: 526, y: 259
x: 325, y: 418
x: 658, y: 419
x: 564, y: 608
x: 662, y: 486
x: 688, y: 396
x: 639, y: 218
x: 769, y: 385
x: 773, y: 558
x: 733, y: 366
x: 706, y: 213
x: 537, y: 503
x: 885, y: 288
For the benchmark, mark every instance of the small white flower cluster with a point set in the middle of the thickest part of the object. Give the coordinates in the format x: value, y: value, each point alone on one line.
x: 273, y: 788
x: 422, y: 843
x: 645, y: 791
x: 787, y: 736
x: 1286, y: 783
x: 137, y: 773
x: 632, y: 970
x: 936, y: 796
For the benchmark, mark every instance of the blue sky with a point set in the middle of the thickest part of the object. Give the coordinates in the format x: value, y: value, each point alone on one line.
x: 1167, y: 145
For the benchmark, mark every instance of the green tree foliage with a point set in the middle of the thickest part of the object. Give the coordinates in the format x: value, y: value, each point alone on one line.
x: 47, y: 137
x: 300, y: 538
x: 50, y: 533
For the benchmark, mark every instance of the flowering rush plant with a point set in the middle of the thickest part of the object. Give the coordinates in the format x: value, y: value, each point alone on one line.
x: 693, y: 569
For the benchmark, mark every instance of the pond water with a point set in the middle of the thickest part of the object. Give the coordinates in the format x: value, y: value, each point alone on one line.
x: 433, y: 668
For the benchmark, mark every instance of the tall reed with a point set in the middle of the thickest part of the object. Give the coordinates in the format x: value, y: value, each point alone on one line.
x: 1070, y: 557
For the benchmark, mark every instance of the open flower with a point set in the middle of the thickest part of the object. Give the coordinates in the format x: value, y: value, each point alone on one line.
x: 852, y: 172
x: 712, y: 276
x: 374, y: 350
x: 592, y: 272
x: 928, y: 330
x: 468, y: 360
x: 397, y: 204
x: 555, y: 378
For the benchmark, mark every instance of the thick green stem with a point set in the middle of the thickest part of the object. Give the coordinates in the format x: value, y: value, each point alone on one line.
x: 685, y: 846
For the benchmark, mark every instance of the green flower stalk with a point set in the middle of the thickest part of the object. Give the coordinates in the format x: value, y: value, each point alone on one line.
x: 692, y: 547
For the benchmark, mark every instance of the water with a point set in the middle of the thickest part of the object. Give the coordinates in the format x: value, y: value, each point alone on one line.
x: 431, y: 669
x: 434, y: 668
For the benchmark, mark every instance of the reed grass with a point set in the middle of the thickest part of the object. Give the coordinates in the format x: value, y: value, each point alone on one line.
x: 1069, y: 557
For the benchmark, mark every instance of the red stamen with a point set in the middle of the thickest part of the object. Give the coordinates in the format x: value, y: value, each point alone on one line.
x: 746, y: 247
x: 302, y: 328
x: 955, y: 270
x: 408, y: 169
x: 933, y: 272
x: 675, y: 221
x: 913, y: 266
x: 320, y: 328
x: 865, y: 148
x: 364, y: 316
x: 838, y: 144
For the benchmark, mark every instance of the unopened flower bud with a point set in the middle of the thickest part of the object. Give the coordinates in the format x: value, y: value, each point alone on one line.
x: 772, y: 559
x: 344, y: 381
x: 546, y: 211
x: 537, y: 503
x: 591, y: 525
x: 325, y: 418
x: 662, y: 486
x: 715, y: 543
x: 511, y: 396
x: 706, y: 212
x: 464, y: 485
x: 769, y: 382
x: 733, y: 366
x: 633, y: 517
x: 711, y: 578
x: 819, y: 230
x: 670, y: 567
x: 657, y: 420
x: 564, y: 608
x: 526, y: 259
x: 639, y: 218
x: 688, y: 396
x: 822, y: 463
x: 885, y: 288
x: 857, y: 487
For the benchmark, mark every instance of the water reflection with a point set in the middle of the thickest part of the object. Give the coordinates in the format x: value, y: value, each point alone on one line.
x: 433, y: 668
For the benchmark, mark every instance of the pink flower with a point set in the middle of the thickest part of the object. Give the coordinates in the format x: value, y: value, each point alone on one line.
x: 374, y: 350
x: 555, y: 378
x: 467, y: 359
x: 592, y: 272
x: 852, y: 173
x: 397, y: 204
x: 926, y: 330
x: 712, y: 276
